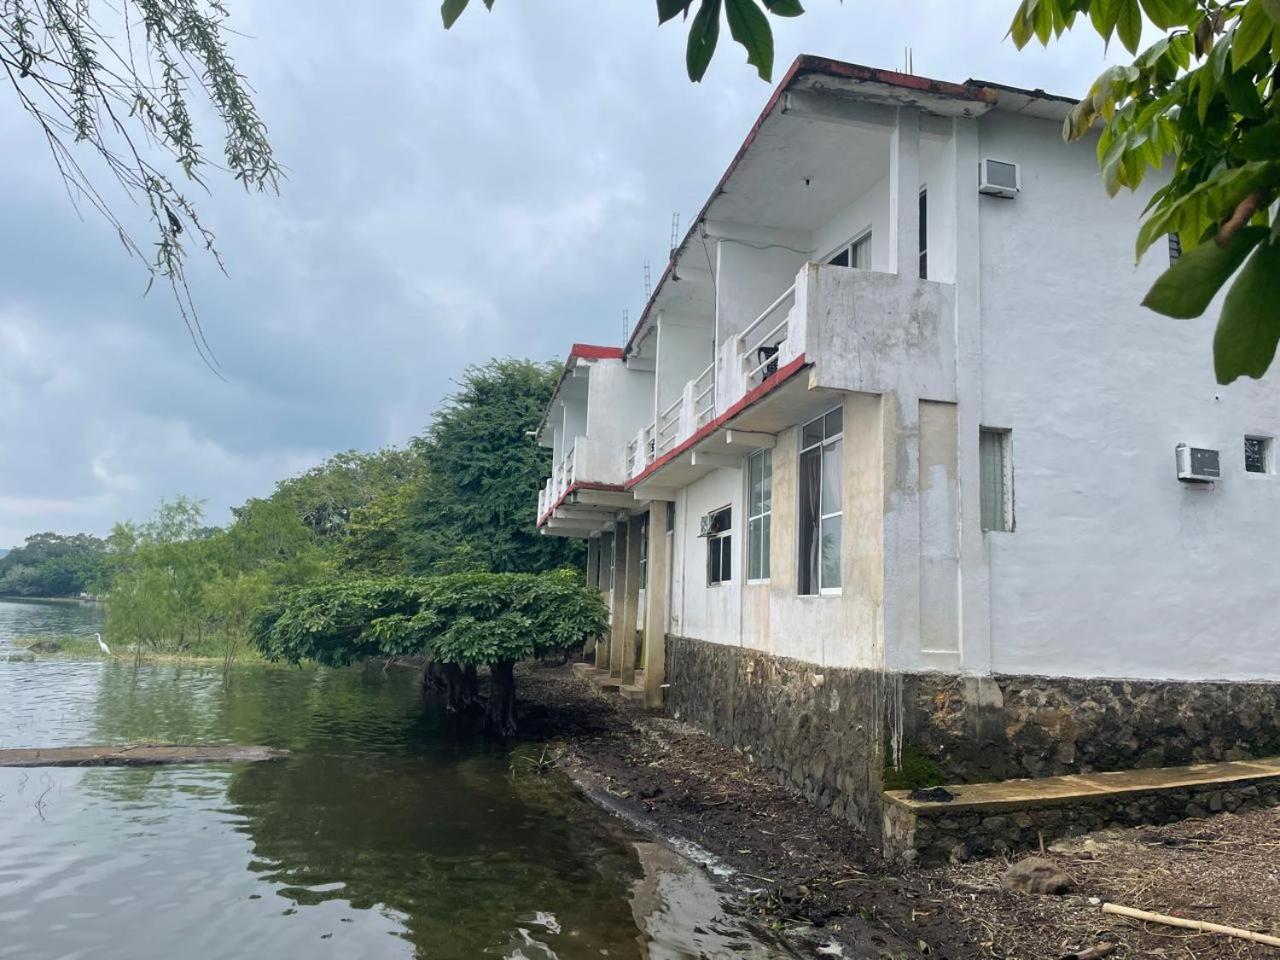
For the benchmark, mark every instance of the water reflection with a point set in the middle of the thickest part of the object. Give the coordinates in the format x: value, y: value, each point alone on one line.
x: 390, y: 831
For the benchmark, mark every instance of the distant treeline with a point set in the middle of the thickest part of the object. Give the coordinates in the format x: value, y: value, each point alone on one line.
x: 460, y: 497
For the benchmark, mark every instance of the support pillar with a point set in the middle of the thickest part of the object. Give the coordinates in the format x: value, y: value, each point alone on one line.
x: 655, y: 615
x: 593, y: 582
x: 631, y: 600
x: 904, y: 194
x: 605, y: 554
x: 618, y: 606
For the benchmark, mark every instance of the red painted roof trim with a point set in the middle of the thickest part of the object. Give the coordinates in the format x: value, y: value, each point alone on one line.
x: 589, y: 351
x: 752, y: 396
x: 579, y: 485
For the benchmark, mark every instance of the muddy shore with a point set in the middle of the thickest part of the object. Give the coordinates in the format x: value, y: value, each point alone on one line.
x: 801, y: 871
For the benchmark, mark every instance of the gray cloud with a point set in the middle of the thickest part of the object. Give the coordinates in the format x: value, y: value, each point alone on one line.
x: 451, y: 197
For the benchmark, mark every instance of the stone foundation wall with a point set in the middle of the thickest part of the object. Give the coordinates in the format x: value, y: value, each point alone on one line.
x: 817, y: 730
x: 956, y: 835
x: 1007, y: 727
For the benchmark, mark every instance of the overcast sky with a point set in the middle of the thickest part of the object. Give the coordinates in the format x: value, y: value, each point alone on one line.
x: 494, y: 190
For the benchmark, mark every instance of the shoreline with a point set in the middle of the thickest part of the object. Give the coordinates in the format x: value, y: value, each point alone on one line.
x: 799, y: 870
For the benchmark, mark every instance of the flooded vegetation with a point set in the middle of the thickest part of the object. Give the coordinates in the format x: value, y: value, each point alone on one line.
x: 389, y: 831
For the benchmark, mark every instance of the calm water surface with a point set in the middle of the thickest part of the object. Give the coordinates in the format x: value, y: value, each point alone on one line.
x: 387, y: 833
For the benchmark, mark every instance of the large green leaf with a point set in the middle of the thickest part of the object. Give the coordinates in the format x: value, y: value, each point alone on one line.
x: 1129, y: 24
x: 1103, y: 14
x: 703, y: 34
x: 451, y: 10
x: 1245, y: 341
x: 670, y: 8
x: 784, y: 8
x: 1253, y: 34
x: 751, y: 28
x: 1187, y: 287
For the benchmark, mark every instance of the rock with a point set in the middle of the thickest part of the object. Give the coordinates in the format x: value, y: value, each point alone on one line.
x: 931, y: 795
x: 45, y: 646
x: 1037, y: 875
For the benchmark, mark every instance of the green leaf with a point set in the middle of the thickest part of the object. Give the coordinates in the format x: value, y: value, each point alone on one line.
x: 1190, y: 284
x: 703, y: 34
x: 1129, y: 25
x: 784, y: 8
x: 1163, y: 13
x: 1103, y: 14
x: 1252, y: 34
x: 1249, y: 328
x: 667, y: 9
x: 1021, y: 28
x: 451, y: 10
x: 751, y: 28
x: 1272, y: 8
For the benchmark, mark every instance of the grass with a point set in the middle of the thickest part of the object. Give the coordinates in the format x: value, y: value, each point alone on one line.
x: 74, y: 646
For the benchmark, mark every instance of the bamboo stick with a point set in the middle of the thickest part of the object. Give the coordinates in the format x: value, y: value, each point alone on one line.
x: 1202, y: 925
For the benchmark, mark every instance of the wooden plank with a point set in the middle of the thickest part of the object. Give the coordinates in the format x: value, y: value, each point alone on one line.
x: 137, y: 755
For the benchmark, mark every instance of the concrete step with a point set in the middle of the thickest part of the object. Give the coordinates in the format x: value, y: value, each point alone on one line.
x: 988, y: 818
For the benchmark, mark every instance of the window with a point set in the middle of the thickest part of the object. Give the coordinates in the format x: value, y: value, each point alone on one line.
x: 719, y: 545
x: 1257, y: 454
x: 924, y: 235
x: 1175, y: 248
x: 759, y: 513
x: 995, y: 480
x: 821, y: 508
x: 854, y: 254
x: 671, y: 516
x: 644, y: 551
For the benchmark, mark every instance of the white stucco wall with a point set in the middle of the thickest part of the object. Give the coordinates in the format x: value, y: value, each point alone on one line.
x: 620, y: 403
x: 1115, y: 568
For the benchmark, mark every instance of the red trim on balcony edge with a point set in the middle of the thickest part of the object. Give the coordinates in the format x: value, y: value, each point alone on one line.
x: 711, y: 426
x: 580, y: 485
x: 590, y: 351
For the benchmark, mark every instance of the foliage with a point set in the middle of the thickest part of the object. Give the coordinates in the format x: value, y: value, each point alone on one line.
x: 463, y: 620
x: 748, y: 25
x: 125, y: 81
x: 53, y: 565
x: 482, y: 472
x: 326, y: 495
x: 1202, y: 103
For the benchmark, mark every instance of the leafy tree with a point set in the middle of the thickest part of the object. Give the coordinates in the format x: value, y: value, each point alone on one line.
x: 231, y: 602
x: 480, y: 488
x: 53, y: 565
x: 460, y: 621
x: 326, y: 495
x: 121, y: 84
x: 1202, y: 100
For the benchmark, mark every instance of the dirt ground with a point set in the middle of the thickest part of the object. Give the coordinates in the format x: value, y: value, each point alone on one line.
x: 800, y: 869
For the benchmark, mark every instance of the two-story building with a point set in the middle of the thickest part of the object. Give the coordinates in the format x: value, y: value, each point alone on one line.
x: 885, y: 474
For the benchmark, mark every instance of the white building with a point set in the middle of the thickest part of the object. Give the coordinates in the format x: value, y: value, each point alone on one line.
x: 893, y: 437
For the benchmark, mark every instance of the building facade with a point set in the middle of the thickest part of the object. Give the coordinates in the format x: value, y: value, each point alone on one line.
x: 884, y: 478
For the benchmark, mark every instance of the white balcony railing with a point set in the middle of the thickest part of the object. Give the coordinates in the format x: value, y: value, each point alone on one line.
x: 649, y: 442
x: 633, y: 457
x: 760, y: 343
x: 704, y: 396
x: 668, y: 427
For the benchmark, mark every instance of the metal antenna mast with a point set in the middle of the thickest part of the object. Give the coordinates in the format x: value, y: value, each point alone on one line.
x: 675, y: 232
x: 648, y: 282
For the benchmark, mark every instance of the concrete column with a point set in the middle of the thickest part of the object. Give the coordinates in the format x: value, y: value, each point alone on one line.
x: 618, y: 606
x: 655, y: 614
x: 603, y: 643
x: 904, y: 194
x: 631, y: 601
x: 593, y: 582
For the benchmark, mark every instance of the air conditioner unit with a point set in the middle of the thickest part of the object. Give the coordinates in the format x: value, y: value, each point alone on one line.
x: 999, y: 178
x: 1197, y: 465
x: 706, y: 524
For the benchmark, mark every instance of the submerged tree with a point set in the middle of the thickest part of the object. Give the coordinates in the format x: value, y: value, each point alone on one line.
x: 458, y: 622
x: 118, y: 85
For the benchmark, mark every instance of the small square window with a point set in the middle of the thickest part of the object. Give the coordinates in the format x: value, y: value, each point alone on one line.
x: 1257, y: 454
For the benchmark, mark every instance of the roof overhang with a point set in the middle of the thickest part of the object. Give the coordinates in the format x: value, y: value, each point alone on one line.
x: 579, y: 353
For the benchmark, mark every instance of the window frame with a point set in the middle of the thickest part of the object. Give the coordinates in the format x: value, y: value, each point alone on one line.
x: 822, y: 446
x: 1268, y: 454
x: 1008, y: 520
x: 849, y: 246
x: 763, y: 456
x: 721, y: 541
x: 923, y: 211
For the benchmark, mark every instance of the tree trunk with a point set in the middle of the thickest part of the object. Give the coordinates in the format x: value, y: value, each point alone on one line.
x: 500, y: 712
x: 455, y: 685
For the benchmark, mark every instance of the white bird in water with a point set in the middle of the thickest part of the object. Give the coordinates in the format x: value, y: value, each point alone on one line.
x: 102, y: 645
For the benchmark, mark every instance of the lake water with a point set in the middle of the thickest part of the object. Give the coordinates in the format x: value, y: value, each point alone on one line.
x: 388, y: 833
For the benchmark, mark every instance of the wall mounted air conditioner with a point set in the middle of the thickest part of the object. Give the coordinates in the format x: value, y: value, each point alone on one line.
x: 1197, y: 465
x: 999, y: 178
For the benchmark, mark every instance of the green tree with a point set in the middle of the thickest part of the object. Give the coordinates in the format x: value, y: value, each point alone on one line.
x: 53, y: 565
x: 122, y: 84
x: 326, y: 495
x: 460, y: 622
x: 231, y: 602
x: 480, y: 486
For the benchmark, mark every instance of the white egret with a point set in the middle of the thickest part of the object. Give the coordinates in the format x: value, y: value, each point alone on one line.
x: 102, y: 646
